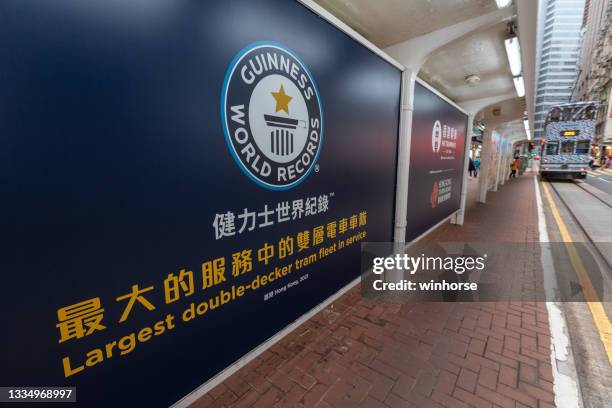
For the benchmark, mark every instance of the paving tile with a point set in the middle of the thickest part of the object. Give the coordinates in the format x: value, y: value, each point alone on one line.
x: 368, y: 353
x: 467, y: 380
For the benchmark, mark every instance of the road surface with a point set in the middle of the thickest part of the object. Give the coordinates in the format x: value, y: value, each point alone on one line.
x: 601, y: 179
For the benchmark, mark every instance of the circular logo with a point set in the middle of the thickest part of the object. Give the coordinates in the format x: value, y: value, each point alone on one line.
x: 436, y: 137
x: 272, y: 115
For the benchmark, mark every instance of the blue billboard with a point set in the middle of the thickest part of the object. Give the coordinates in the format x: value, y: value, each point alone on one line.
x: 437, y: 161
x: 180, y: 180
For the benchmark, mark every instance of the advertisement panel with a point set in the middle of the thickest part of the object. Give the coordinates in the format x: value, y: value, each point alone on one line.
x: 436, y: 161
x: 180, y: 181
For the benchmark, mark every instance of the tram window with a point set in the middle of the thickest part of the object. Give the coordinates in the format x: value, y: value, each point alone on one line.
x: 567, y: 147
x: 564, y: 115
x: 554, y: 115
x: 551, y: 148
x: 585, y: 113
x: 582, y: 147
x: 590, y: 112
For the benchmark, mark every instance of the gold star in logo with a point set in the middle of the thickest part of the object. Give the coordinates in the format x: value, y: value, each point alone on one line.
x: 282, y: 100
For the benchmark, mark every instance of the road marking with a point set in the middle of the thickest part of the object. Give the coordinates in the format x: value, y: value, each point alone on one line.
x: 592, y: 174
x: 565, y: 377
x: 597, y: 310
x: 603, y: 172
x: 607, y: 181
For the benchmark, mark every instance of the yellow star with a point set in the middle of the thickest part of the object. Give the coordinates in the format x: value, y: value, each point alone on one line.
x: 282, y: 100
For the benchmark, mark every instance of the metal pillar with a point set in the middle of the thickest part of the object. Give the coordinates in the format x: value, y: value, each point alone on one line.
x: 459, y: 217
x: 505, y: 164
x: 403, y: 157
x: 499, y: 166
x: 485, y: 164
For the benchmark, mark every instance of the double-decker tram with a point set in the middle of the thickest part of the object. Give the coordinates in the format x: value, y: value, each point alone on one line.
x: 566, y: 144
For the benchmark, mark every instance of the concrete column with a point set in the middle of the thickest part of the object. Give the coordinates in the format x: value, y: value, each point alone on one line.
x: 485, y: 164
x: 459, y: 217
x: 403, y: 157
x: 507, y: 161
x: 499, y: 166
x: 504, y: 167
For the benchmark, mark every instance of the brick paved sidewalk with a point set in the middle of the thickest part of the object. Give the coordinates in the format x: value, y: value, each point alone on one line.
x: 360, y: 352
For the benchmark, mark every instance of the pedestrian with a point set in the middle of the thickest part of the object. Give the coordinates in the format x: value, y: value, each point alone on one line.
x: 514, y: 166
x: 471, y: 167
x: 476, y: 167
x: 609, y: 162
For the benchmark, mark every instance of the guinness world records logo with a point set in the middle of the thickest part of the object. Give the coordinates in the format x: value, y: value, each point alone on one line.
x: 272, y: 116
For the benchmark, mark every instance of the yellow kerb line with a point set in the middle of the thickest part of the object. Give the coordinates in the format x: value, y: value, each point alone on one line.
x: 599, y: 314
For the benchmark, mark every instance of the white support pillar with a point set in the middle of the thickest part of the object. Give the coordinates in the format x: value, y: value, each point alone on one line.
x: 507, y: 160
x: 459, y: 217
x: 485, y: 165
x: 499, y: 167
x: 403, y: 157
x: 504, y: 166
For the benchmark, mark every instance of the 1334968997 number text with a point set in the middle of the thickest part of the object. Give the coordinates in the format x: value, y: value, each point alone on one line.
x: 37, y: 394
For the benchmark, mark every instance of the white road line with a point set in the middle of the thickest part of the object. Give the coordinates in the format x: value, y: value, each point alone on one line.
x: 565, y: 384
x: 607, y: 181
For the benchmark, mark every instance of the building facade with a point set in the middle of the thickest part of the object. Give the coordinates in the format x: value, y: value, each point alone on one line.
x: 560, y: 24
x: 594, y: 81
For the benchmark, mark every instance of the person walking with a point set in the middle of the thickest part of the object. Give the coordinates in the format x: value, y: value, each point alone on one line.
x: 514, y: 166
x: 476, y: 167
x: 471, y: 167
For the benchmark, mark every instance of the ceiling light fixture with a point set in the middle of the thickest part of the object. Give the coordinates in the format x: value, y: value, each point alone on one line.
x: 526, y: 124
x: 472, y: 80
x: 519, y: 84
x: 513, y: 50
x: 503, y: 3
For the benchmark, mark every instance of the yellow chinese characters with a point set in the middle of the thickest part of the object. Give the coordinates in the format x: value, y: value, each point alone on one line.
x: 318, y: 234
x: 285, y: 247
x: 242, y: 262
x: 265, y: 253
x: 174, y: 285
x: 332, y: 228
x: 135, y: 295
x: 213, y: 272
x: 80, y: 320
x: 303, y: 240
